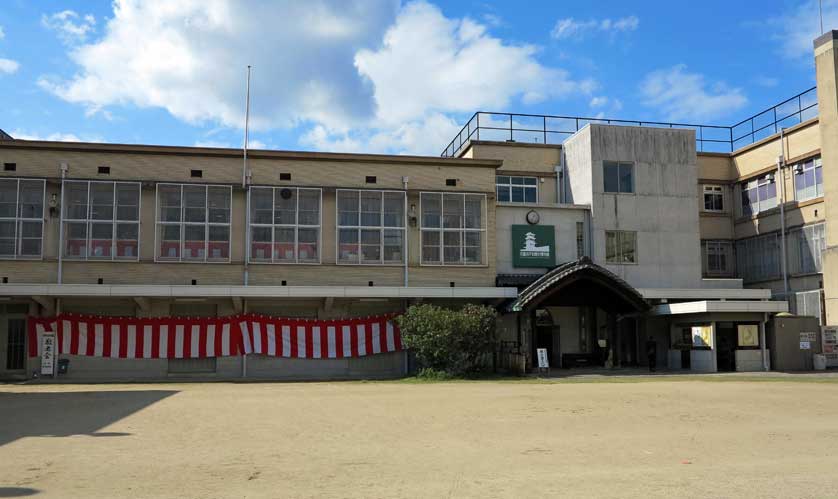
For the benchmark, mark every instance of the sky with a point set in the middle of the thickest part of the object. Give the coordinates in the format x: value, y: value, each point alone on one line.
x: 383, y: 76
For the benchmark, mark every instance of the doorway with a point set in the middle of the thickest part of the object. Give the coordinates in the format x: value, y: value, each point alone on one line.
x: 15, y: 344
x: 725, y: 349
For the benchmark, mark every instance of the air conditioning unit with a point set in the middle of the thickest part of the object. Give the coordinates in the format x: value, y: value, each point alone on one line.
x: 770, y: 177
x: 798, y: 169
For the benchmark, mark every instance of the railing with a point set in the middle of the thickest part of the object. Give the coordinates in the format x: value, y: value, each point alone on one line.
x: 548, y: 129
x: 790, y: 112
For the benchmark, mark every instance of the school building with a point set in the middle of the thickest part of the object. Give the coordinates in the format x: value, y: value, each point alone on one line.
x: 589, y: 236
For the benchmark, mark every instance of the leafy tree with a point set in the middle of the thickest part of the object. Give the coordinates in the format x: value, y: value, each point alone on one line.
x: 453, y: 341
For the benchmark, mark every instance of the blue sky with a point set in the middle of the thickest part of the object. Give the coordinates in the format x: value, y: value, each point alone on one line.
x: 384, y: 76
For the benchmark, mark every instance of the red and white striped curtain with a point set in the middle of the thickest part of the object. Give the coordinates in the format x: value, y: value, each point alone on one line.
x: 191, y: 337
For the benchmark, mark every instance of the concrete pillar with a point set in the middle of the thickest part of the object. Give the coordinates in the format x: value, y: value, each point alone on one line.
x: 826, y: 66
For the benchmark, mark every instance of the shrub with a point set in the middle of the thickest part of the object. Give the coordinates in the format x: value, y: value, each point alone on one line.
x: 453, y: 341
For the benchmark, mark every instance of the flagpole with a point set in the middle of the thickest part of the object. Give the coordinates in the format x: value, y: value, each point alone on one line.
x: 246, y: 187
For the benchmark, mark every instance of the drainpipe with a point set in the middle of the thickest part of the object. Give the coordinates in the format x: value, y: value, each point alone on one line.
x: 64, y: 169
x: 762, y: 326
x: 406, y: 245
x: 559, y: 169
x: 782, y: 193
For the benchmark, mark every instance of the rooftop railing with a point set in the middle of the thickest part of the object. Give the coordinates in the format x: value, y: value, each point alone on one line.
x: 548, y: 129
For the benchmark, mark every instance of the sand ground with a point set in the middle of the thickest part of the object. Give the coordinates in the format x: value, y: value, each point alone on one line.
x: 395, y: 439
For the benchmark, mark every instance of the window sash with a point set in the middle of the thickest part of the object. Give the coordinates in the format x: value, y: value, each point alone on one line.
x: 713, y: 198
x: 89, y: 246
x: 279, y: 241
x: 449, y: 242
x: 516, y: 189
x: 808, y: 183
x: 717, y: 257
x: 758, y: 195
x: 25, y: 212
x: 620, y: 247
x: 368, y: 223
x: 171, y: 218
x: 618, y: 177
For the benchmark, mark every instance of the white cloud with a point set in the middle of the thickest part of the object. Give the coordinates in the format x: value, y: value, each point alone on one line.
x: 54, y: 137
x: 570, y: 28
x: 189, y: 57
x: 70, y: 26
x: 599, y: 101
x: 353, y: 75
x: 767, y: 81
x: 678, y: 95
x: 8, y: 66
x: 796, y: 29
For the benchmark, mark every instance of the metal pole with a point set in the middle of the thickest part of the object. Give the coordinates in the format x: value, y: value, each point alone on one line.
x: 245, y: 183
x: 781, y: 193
x: 762, y: 344
x: 60, y: 279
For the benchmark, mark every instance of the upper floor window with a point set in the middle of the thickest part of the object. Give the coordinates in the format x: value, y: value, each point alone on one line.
x: 620, y: 246
x: 101, y: 220
x: 453, y: 227
x: 758, y: 258
x: 808, y: 179
x: 193, y: 222
x: 285, y: 225
x: 714, y: 198
x: 21, y: 218
x: 516, y: 189
x: 759, y: 195
x: 717, y: 257
x: 370, y: 226
x: 806, y: 246
x: 619, y: 177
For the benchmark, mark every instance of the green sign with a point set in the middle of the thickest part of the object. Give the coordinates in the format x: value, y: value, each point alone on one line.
x: 533, y: 246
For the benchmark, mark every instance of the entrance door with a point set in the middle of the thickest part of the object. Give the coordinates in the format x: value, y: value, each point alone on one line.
x: 726, y: 349
x: 16, y: 344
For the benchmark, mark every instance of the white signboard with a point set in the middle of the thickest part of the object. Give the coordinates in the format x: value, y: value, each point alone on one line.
x: 48, y: 354
x: 805, y: 345
x: 543, y: 363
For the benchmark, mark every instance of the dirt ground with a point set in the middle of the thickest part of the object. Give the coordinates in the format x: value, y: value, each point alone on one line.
x: 397, y: 439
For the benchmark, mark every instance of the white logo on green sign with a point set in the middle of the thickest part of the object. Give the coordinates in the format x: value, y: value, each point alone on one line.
x: 531, y: 250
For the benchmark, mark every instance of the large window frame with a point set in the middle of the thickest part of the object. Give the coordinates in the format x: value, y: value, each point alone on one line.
x: 183, y: 225
x: 714, y: 253
x: 759, y: 258
x: 623, y: 248
x: 808, y: 179
x: 806, y: 245
x: 755, y: 196
x: 442, y: 231
x: 623, y: 177
x: 93, y: 219
x: 361, y: 229
x: 25, y: 216
x: 510, y: 187
x: 713, y: 197
x: 277, y: 225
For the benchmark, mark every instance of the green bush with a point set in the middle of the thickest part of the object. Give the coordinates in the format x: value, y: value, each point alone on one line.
x: 453, y: 341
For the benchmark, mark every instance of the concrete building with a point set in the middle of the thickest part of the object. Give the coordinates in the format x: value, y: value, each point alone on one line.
x: 591, y: 236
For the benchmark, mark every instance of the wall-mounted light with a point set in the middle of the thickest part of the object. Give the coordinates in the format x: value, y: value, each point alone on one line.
x: 412, y: 218
x: 53, y: 204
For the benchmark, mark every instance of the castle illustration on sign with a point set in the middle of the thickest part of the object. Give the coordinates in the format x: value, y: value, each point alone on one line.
x: 531, y: 250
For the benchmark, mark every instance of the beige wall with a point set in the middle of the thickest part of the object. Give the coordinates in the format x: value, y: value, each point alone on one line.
x: 311, y: 170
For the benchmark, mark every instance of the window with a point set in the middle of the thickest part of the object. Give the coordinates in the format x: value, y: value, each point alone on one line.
x: 620, y: 246
x: 453, y: 228
x: 808, y: 179
x: 619, y: 177
x: 285, y: 225
x: 580, y: 239
x: 759, y: 195
x: 193, y: 223
x: 714, y: 198
x: 758, y: 258
x: 101, y: 220
x: 805, y: 247
x: 717, y: 258
x: 516, y: 189
x: 21, y: 218
x: 371, y: 227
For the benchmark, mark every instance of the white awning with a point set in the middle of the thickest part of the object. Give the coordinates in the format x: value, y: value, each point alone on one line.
x: 204, y: 291
x: 700, y: 307
x: 704, y: 294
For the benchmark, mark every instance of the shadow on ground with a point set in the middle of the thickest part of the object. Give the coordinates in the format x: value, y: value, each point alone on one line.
x: 17, y: 491
x: 62, y: 414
